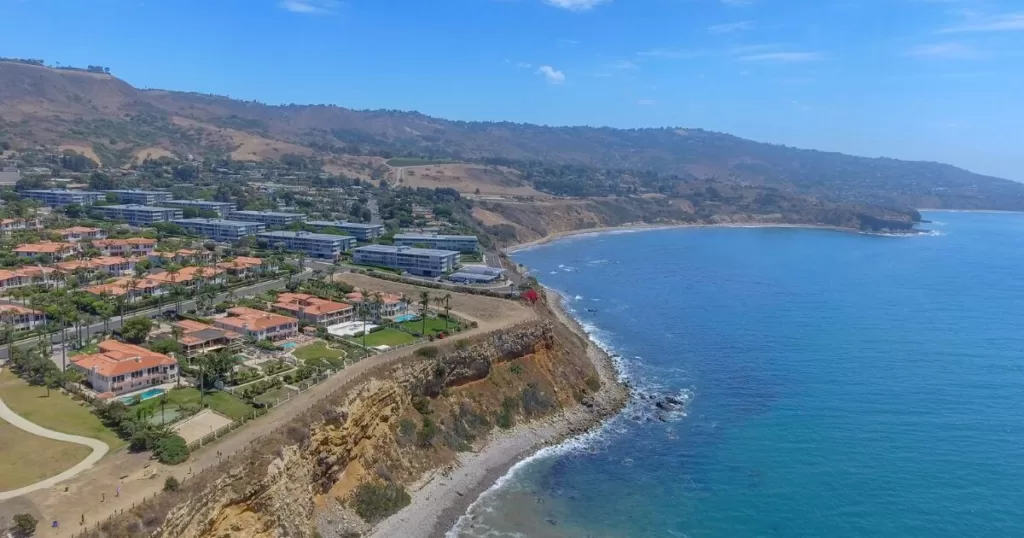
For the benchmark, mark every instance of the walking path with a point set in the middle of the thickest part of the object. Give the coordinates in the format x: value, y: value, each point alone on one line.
x: 99, y: 449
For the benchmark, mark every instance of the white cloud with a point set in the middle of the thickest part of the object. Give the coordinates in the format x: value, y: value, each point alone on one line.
x: 1007, y: 22
x: 311, y: 7
x: 646, y: 102
x: 552, y: 75
x: 576, y: 5
x: 949, y: 50
x: 623, y: 64
x: 786, y: 57
x: 730, y: 27
x: 524, y: 65
x: 737, y: 3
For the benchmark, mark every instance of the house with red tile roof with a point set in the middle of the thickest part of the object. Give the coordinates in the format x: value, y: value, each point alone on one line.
x: 243, y: 266
x: 16, y: 225
x: 81, y: 233
x: 20, y: 317
x: 258, y: 324
x: 391, y: 304
x: 132, y: 288
x: 119, y: 368
x: 48, y: 250
x: 111, y: 265
x: 133, y: 246
x: 314, y: 309
x: 190, y: 276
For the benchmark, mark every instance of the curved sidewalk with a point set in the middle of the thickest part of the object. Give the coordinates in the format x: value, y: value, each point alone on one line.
x: 99, y: 449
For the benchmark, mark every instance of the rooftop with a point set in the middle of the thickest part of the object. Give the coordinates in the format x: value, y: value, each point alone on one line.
x: 117, y: 358
x: 201, y: 202
x: 100, y: 243
x: 413, y: 251
x: 304, y: 235
x: 299, y: 302
x: 268, y: 213
x: 252, y: 319
x: 45, y: 247
x: 217, y: 222
x: 136, y: 207
x: 342, y: 223
x: 415, y: 236
x: 62, y: 191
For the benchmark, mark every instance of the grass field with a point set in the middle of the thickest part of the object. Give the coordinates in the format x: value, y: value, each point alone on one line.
x: 318, y: 353
x: 386, y: 337
x: 221, y: 402
x: 26, y: 459
x: 272, y: 396
x: 56, y: 412
x: 434, y: 325
x: 413, y: 161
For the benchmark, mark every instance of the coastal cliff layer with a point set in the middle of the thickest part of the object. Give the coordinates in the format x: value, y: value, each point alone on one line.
x: 348, y: 463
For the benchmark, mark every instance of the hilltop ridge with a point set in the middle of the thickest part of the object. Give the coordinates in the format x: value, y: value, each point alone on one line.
x: 46, y: 106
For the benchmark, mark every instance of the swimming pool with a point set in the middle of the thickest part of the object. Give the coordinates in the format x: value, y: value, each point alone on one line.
x: 289, y: 345
x: 406, y: 317
x: 143, y: 396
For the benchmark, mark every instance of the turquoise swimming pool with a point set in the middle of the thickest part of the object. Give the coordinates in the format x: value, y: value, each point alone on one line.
x: 143, y: 396
x: 406, y: 317
x: 289, y: 345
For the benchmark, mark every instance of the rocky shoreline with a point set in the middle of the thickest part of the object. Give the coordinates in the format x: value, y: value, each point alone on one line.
x: 443, y: 497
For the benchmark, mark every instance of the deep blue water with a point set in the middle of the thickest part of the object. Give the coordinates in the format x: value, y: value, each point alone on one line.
x: 840, y: 385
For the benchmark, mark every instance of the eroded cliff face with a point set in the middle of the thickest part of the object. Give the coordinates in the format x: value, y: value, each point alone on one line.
x: 391, y: 429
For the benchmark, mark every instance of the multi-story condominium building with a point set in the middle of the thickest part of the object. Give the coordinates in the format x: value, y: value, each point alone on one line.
x: 119, y: 368
x: 14, y: 225
x: 272, y: 219
x: 138, y: 197
x: 47, y: 250
x: 316, y: 245
x: 362, y: 232
x: 462, y: 243
x: 81, y: 233
x: 133, y: 246
x: 313, y: 309
x: 390, y: 305
x: 138, y: 215
x: 220, y: 229
x: 198, y: 338
x: 63, y: 197
x: 258, y: 324
x: 21, y: 318
x: 222, y: 208
x: 412, y: 260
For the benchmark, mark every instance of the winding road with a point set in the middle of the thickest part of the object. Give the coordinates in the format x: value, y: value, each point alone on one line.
x: 99, y: 449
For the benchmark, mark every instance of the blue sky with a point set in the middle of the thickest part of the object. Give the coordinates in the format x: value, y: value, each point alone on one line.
x: 919, y: 79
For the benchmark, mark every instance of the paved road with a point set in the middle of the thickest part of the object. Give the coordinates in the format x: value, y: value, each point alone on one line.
x: 99, y: 449
x: 115, y: 322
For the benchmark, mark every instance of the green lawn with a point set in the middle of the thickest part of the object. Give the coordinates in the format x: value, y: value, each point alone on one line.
x: 222, y: 402
x: 318, y: 353
x: 26, y: 459
x: 272, y: 396
x: 386, y: 337
x: 56, y: 412
x: 434, y: 325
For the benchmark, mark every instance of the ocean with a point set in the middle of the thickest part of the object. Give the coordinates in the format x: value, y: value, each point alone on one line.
x: 835, y: 385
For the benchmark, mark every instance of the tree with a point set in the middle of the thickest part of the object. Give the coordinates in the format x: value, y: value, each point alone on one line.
x: 425, y: 306
x: 25, y: 524
x: 136, y: 330
x: 99, y: 181
x: 444, y: 301
x: 171, y: 450
x: 73, y: 211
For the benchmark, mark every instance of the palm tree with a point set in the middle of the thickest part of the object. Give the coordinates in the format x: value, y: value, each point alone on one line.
x: 363, y: 306
x: 376, y: 306
x: 444, y: 301
x: 7, y: 320
x: 122, y: 301
x: 425, y: 306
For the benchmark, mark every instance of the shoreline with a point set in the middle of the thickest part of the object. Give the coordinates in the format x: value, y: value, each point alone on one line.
x: 550, y: 238
x: 442, y: 498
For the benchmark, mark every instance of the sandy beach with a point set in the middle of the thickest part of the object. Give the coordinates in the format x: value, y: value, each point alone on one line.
x: 442, y: 497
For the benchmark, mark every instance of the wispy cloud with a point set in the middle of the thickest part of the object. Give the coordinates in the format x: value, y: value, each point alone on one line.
x: 784, y: 57
x: 952, y: 50
x: 730, y: 27
x: 552, y: 75
x: 524, y: 65
x: 646, y: 102
x: 577, y: 5
x: 623, y: 65
x: 568, y: 42
x: 737, y: 3
x: 1006, y: 22
x: 311, y: 7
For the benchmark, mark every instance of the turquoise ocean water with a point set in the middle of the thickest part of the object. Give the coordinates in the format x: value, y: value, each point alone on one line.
x: 838, y: 385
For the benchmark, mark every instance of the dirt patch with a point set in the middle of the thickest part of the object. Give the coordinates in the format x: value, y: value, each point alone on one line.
x: 84, y: 150
x: 468, y: 178
x: 152, y: 153
x: 484, y: 310
x: 203, y: 423
x: 247, y: 146
x: 490, y: 218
